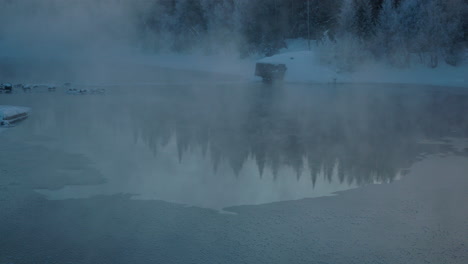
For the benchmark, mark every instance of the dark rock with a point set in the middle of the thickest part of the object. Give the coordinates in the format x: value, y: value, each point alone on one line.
x: 269, y: 71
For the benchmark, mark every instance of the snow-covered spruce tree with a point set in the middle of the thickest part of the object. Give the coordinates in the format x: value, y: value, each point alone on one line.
x: 265, y: 27
x: 312, y: 18
x: 451, y: 41
x: 441, y: 33
x: 346, y: 17
x: 155, y: 23
x: 191, y: 24
x: 356, y: 18
x: 428, y: 29
x: 385, y: 30
x: 390, y: 41
x: 350, y: 48
x: 407, y: 30
x: 223, y: 25
x: 363, y: 25
x: 432, y: 34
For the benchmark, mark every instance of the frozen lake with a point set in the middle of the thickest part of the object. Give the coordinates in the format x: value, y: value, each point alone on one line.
x: 222, y: 145
x: 141, y: 173
x: 150, y: 140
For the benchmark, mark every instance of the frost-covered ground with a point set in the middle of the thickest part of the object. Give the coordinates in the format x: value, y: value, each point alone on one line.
x: 309, y: 66
x: 306, y: 66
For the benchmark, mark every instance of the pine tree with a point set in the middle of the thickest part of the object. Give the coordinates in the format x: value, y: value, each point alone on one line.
x: 363, y: 22
x: 191, y: 23
x: 387, y: 40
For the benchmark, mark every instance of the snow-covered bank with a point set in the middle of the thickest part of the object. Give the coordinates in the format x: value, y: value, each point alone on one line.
x: 11, y: 114
x: 302, y: 67
x: 305, y: 66
x: 444, y: 75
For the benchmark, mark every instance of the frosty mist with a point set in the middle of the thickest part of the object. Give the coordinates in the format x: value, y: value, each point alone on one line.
x: 55, y: 28
x: 348, y: 32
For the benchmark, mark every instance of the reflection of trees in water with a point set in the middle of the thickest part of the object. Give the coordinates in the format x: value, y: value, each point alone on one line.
x: 364, y: 136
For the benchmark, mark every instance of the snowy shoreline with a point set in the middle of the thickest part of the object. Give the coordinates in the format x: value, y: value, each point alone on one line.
x: 303, y: 67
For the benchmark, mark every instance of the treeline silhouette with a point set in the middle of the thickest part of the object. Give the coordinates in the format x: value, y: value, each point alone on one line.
x: 345, y: 33
x: 397, y: 31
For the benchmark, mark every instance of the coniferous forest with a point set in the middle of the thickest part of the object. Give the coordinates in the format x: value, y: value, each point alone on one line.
x: 397, y: 32
x: 392, y: 30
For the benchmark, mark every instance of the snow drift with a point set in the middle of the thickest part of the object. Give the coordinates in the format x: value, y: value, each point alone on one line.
x: 12, y: 114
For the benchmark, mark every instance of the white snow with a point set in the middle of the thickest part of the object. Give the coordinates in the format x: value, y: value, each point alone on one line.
x: 8, y: 111
x: 302, y: 66
x: 305, y: 66
x: 444, y: 75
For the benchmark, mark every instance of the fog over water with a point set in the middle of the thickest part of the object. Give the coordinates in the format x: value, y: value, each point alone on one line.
x: 71, y: 41
x: 139, y: 153
x: 222, y: 145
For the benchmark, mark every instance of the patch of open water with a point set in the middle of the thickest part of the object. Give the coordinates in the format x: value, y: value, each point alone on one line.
x: 217, y: 146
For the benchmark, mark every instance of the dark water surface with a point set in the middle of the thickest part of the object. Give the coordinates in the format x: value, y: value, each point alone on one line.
x: 223, y: 145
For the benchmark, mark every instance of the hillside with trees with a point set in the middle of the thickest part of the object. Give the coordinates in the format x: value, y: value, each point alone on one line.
x: 391, y: 30
x: 397, y: 32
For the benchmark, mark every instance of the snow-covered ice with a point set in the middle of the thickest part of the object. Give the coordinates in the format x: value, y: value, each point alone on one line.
x: 10, y: 114
x: 106, y: 150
